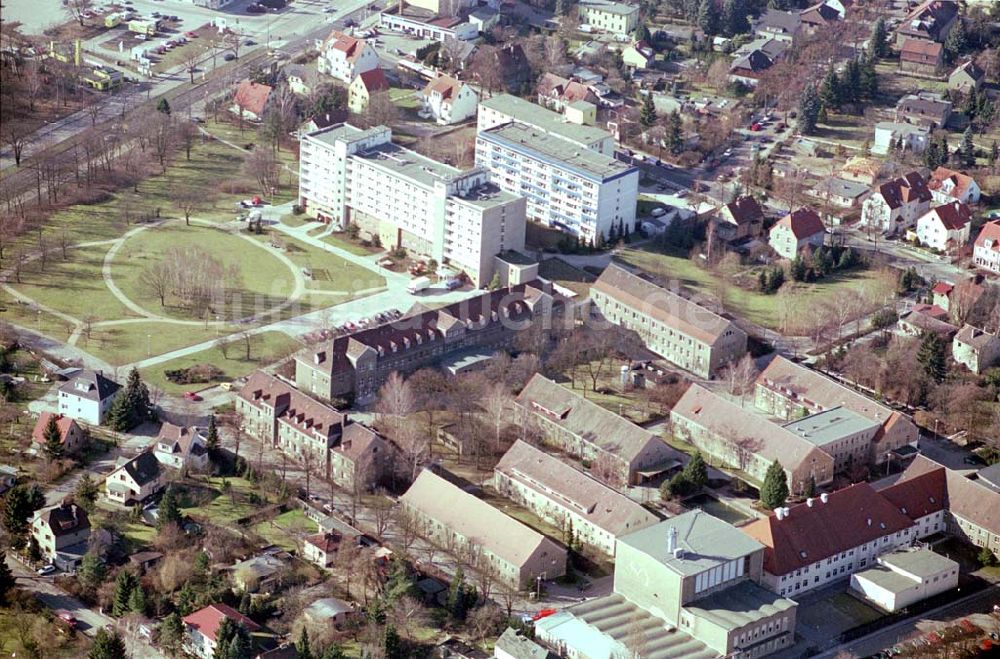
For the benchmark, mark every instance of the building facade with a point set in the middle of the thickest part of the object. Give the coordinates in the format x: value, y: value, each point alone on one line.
x: 679, y: 330
x: 945, y: 228
x: 500, y: 109
x: 351, y: 176
x: 975, y: 349
x: 615, y: 18
x: 897, y: 204
x: 60, y: 527
x: 88, y: 397
x: 986, y: 251
x: 448, y: 101
x: 796, y: 231
x: 344, y: 57
x: 579, y: 191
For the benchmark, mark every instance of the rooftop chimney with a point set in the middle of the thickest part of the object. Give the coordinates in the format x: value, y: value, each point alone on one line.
x: 671, y: 539
x: 786, y: 510
x: 809, y: 502
x: 779, y: 513
x: 824, y: 497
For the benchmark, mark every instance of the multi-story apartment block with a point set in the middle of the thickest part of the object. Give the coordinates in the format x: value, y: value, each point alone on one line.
x: 589, y: 432
x: 686, y: 587
x: 895, y: 206
x: 501, y: 109
x: 357, y: 364
x: 348, y: 175
x: 747, y: 440
x: 612, y: 17
x: 448, y: 515
x: 680, y: 330
x: 828, y: 538
x: 790, y: 391
x: 569, y: 187
x: 344, y: 57
x: 986, y: 252
x: 312, y: 433
x: 595, y: 514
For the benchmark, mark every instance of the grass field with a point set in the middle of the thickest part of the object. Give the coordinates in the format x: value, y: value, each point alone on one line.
x: 329, y: 272
x: 266, y: 348
x: 405, y: 99
x: 226, y: 507
x: 341, y: 241
x: 283, y: 529
x: 132, y: 342
x: 266, y: 280
x: 756, y: 307
x: 52, y: 642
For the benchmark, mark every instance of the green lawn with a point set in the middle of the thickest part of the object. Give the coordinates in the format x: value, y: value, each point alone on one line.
x: 74, y: 286
x: 266, y: 280
x: 756, y: 307
x: 227, y: 507
x: 404, y: 98
x: 132, y: 342
x: 329, y: 272
x: 341, y: 241
x: 13, y: 312
x: 139, y: 535
x: 283, y: 529
x: 266, y: 348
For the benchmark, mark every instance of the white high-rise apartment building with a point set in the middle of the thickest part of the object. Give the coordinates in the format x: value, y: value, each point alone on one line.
x: 348, y: 175
x: 568, y: 186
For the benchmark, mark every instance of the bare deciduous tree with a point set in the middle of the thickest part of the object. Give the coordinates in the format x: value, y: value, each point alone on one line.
x: 262, y: 166
x: 740, y: 376
x: 76, y: 9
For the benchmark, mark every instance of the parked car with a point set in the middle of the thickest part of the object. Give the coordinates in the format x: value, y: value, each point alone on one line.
x: 46, y: 570
x: 658, y: 212
x: 229, y: 57
x: 193, y: 396
x: 68, y: 618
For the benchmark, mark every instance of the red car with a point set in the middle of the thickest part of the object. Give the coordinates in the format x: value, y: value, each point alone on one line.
x: 755, y: 127
x: 67, y: 618
x: 190, y: 395
x: 191, y: 35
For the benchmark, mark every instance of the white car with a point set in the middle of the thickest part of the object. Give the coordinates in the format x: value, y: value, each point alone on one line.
x: 46, y: 570
x: 658, y: 212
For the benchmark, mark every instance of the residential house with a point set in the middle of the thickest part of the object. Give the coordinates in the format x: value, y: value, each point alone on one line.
x: 892, y: 135
x: 450, y: 516
x: 302, y: 79
x: 967, y: 77
x: 841, y: 192
x: 639, y: 55
x: 828, y: 538
x: 259, y: 574
x: 690, y: 587
x: 556, y: 92
x: 975, y: 349
x: 680, y: 330
x: 181, y: 447
x: 358, y: 364
x: 945, y: 228
x: 796, y: 231
x: 319, y: 122
x: 614, y: 18
x: 931, y: 21
x: 8, y: 477
x: 942, y: 294
x: 321, y: 549
x: 485, y: 19
x: 71, y: 436
x: 747, y: 69
x: 362, y: 458
x: 329, y: 612
x: 202, y: 625
x: 448, y: 101
x: 748, y: 440
x: 947, y: 185
x: 567, y: 498
x: 739, y: 220
x: 921, y: 57
x: 820, y: 17
x: 986, y: 251
x: 924, y: 109
x: 906, y: 577
x: 895, y: 206
x: 363, y: 87
x: 136, y: 480
x: 865, y: 169
x: 790, y: 391
x: 61, y: 533
x: 586, y: 430
x: 88, y: 397
x: 924, y: 318
x: 780, y: 25
x: 345, y: 57
x: 251, y: 100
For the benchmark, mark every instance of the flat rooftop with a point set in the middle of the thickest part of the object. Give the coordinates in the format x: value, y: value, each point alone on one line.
x: 739, y: 605
x: 544, y: 119
x: 408, y: 164
x: 921, y: 562
x: 894, y: 582
x: 557, y: 151
x: 342, y: 133
x: 706, y: 542
x: 830, y: 425
x: 487, y: 196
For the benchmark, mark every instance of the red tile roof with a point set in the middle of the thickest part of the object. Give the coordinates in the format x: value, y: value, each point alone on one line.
x: 920, y: 51
x: 953, y: 216
x: 207, y: 620
x: 745, y: 210
x: 446, y: 86
x: 64, y: 423
x: 919, y: 496
x: 325, y: 542
x: 851, y: 517
x: 252, y: 96
x: 942, y: 288
x: 961, y: 181
x: 991, y: 232
x: 904, y: 190
x: 803, y: 222
x: 374, y: 80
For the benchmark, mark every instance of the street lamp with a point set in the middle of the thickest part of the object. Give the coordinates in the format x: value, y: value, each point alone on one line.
x: 149, y: 338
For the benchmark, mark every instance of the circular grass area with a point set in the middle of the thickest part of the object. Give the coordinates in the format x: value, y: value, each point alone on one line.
x: 266, y: 281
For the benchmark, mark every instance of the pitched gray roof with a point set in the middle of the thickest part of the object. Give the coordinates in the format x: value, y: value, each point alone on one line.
x: 91, y: 385
x: 143, y: 468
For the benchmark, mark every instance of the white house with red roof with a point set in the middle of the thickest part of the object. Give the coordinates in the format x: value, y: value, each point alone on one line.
x: 896, y: 204
x: 365, y: 85
x: 181, y: 447
x: 947, y: 185
x: 345, y: 57
x: 942, y: 294
x: 794, y: 232
x: 986, y: 251
x: 202, y: 626
x: 945, y: 228
x: 448, y: 101
x: 251, y: 100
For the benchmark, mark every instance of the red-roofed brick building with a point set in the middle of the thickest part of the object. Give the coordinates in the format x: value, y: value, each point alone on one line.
x: 70, y: 433
x: 986, y: 251
x: 202, y: 626
x: 251, y: 99
x: 794, y: 232
x: 740, y: 219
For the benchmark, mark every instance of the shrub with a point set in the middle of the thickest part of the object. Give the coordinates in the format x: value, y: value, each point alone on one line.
x: 297, y: 209
x: 195, y: 374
